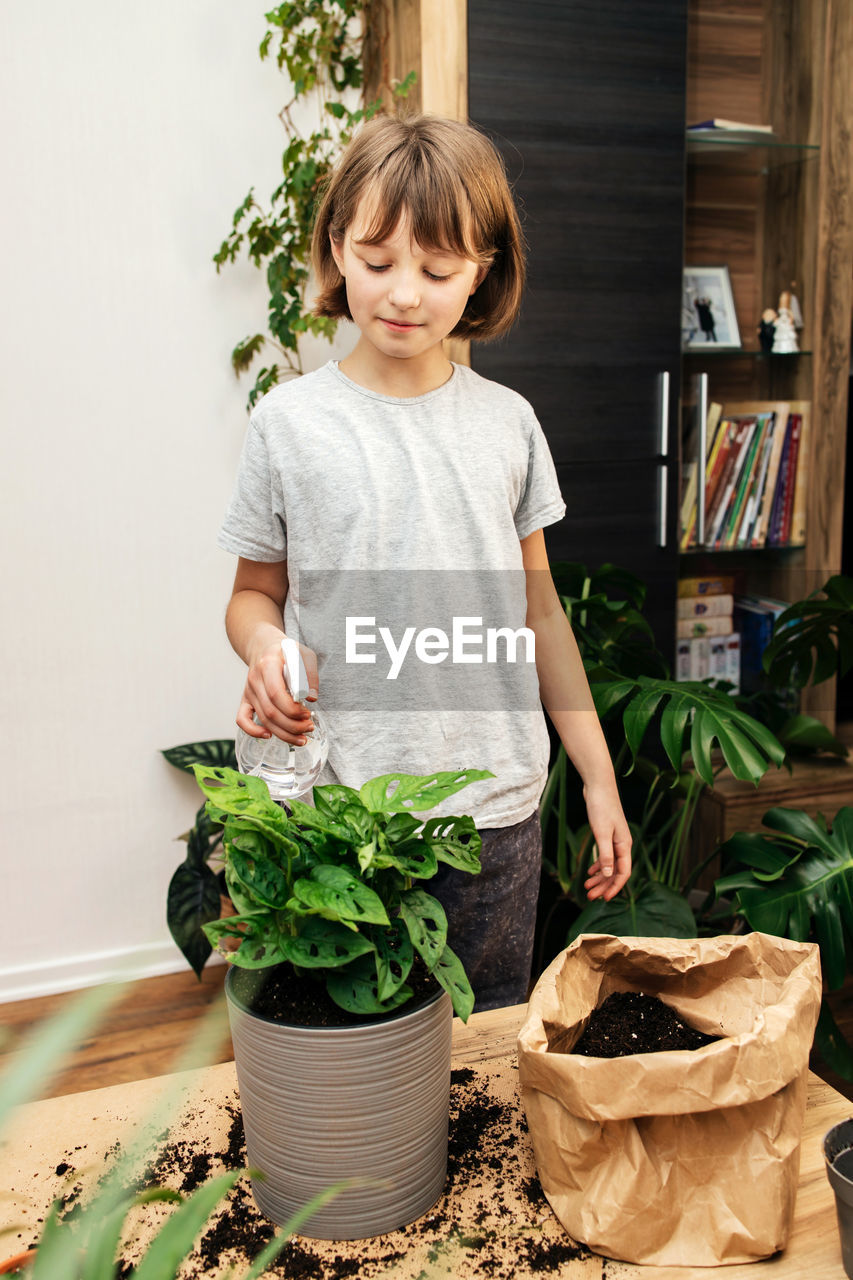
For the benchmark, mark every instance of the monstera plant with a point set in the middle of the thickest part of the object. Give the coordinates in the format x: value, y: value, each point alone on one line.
x: 669, y: 740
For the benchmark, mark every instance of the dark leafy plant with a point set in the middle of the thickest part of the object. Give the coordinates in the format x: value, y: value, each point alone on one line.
x: 797, y: 882
x: 668, y: 740
x: 333, y: 889
x: 320, y: 44
x: 195, y: 890
x: 813, y: 639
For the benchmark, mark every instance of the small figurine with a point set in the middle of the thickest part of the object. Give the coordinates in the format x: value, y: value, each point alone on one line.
x: 784, y: 332
x: 796, y: 310
x: 767, y: 329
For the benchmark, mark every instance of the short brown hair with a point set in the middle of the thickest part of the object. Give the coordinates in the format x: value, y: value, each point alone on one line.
x: 450, y: 180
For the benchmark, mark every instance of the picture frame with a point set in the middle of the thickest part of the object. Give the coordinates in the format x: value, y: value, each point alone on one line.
x: 708, y: 317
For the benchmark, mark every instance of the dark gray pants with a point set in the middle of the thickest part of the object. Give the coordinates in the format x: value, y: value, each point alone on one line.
x: 491, y: 916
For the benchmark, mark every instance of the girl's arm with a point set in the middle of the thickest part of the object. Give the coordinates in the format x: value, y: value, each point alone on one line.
x: 254, y: 623
x: 566, y: 697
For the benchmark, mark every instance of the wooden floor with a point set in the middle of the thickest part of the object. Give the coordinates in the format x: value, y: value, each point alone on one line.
x: 143, y: 1035
x: 149, y: 1029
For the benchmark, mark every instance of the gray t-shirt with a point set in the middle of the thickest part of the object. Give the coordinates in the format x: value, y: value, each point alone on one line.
x: 407, y: 513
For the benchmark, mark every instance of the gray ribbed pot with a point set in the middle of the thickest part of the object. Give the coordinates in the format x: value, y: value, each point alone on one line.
x: 323, y: 1104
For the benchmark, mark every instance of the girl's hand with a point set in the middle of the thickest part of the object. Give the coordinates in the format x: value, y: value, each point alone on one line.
x: 266, y: 697
x: 611, y: 869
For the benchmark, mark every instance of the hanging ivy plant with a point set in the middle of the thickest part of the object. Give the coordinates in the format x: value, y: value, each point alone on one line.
x: 320, y: 45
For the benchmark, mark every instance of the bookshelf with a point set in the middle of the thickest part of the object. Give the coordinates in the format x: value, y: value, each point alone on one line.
x: 774, y: 211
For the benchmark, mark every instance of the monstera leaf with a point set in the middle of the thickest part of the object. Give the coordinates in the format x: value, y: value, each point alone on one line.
x: 655, y: 911
x: 693, y: 717
x: 813, y: 640
x: 798, y: 883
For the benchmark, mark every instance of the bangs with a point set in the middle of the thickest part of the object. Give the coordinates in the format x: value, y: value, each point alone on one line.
x: 416, y: 184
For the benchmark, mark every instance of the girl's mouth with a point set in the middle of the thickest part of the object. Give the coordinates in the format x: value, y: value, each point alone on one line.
x: 400, y: 326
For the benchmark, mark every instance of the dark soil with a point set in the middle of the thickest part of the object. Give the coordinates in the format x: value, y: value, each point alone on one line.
x: 630, y: 1022
x: 281, y: 995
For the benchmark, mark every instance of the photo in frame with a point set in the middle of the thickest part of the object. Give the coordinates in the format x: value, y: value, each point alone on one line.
x: 708, y: 318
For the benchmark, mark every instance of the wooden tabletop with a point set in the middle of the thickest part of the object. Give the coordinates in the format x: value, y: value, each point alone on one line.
x: 491, y: 1220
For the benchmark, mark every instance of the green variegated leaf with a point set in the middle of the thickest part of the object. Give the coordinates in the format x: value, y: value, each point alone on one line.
x: 638, y: 715
x: 455, y: 841
x: 336, y: 894
x: 324, y: 945
x: 356, y: 989
x: 411, y: 858
x: 449, y: 972
x: 256, y: 875
x: 405, y: 792
x: 427, y: 924
x: 394, y: 956
x: 257, y: 934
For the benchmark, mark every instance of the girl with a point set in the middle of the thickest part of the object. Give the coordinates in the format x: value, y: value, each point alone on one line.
x: 396, y: 467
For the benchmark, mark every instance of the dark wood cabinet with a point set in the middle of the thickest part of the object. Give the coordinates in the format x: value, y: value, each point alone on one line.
x: 586, y: 103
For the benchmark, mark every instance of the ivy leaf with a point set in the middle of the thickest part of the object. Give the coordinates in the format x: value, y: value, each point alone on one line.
x: 245, y: 352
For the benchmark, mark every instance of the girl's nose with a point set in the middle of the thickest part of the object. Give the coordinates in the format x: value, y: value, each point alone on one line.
x: 404, y: 292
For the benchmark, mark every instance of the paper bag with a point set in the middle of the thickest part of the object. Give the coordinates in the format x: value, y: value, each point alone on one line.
x: 679, y: 1158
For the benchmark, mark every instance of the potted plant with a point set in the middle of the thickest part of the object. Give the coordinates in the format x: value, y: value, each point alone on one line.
x: 669, y: 740
x: 330, y: 912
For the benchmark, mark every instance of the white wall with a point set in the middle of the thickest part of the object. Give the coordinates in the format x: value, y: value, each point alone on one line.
x: 131, y: 133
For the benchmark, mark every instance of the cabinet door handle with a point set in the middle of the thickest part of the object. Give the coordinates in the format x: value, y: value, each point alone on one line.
x: 663, y: 458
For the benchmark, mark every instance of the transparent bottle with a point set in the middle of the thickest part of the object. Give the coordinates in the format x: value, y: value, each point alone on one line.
x: 289, y: 771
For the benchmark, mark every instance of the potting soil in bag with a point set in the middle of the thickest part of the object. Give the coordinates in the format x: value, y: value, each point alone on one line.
x: 680, y: 1157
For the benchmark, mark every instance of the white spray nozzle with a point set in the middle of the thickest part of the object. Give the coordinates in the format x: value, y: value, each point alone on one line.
x: 295, y: 675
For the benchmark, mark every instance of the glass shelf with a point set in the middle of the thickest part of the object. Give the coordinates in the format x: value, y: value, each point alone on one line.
x: 753, y: 155
x: 739, y: 353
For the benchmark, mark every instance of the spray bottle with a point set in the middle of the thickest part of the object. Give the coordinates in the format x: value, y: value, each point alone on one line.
x: 289, y: 771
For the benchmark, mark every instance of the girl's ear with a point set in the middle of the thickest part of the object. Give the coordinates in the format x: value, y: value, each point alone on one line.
x: 337, y: 253
x: 482, y: 272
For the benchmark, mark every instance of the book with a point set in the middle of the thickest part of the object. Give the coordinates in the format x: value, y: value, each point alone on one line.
x: 754, y: 619
x: 790, y: 481
x: 728, y: 125
x: 714, y: 625
x: 682, y: 659
x: 733, y: 661
x: 762, y: 524
x: 738, y: 455
x: 707, y: 606
x: 774, y: 528
x: 748, y: 533
x: 729, y: 131
x: 718, y: 586
x: 755, y: 480
x: 797, y: 534
x: 690, y: 501
x: 744, y: 483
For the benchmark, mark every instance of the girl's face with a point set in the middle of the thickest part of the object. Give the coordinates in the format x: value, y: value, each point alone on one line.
x: 404, y: 299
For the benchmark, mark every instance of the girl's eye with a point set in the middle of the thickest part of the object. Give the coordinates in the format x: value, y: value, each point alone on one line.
x: 372, y: 266
x: 430, y: 275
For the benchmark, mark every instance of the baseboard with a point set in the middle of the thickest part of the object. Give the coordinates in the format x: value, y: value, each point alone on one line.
x: 27, y: 982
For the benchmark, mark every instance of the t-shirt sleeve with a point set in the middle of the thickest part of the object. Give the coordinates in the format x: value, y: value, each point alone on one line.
x: 255, y: 526
x: 541, y: 501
